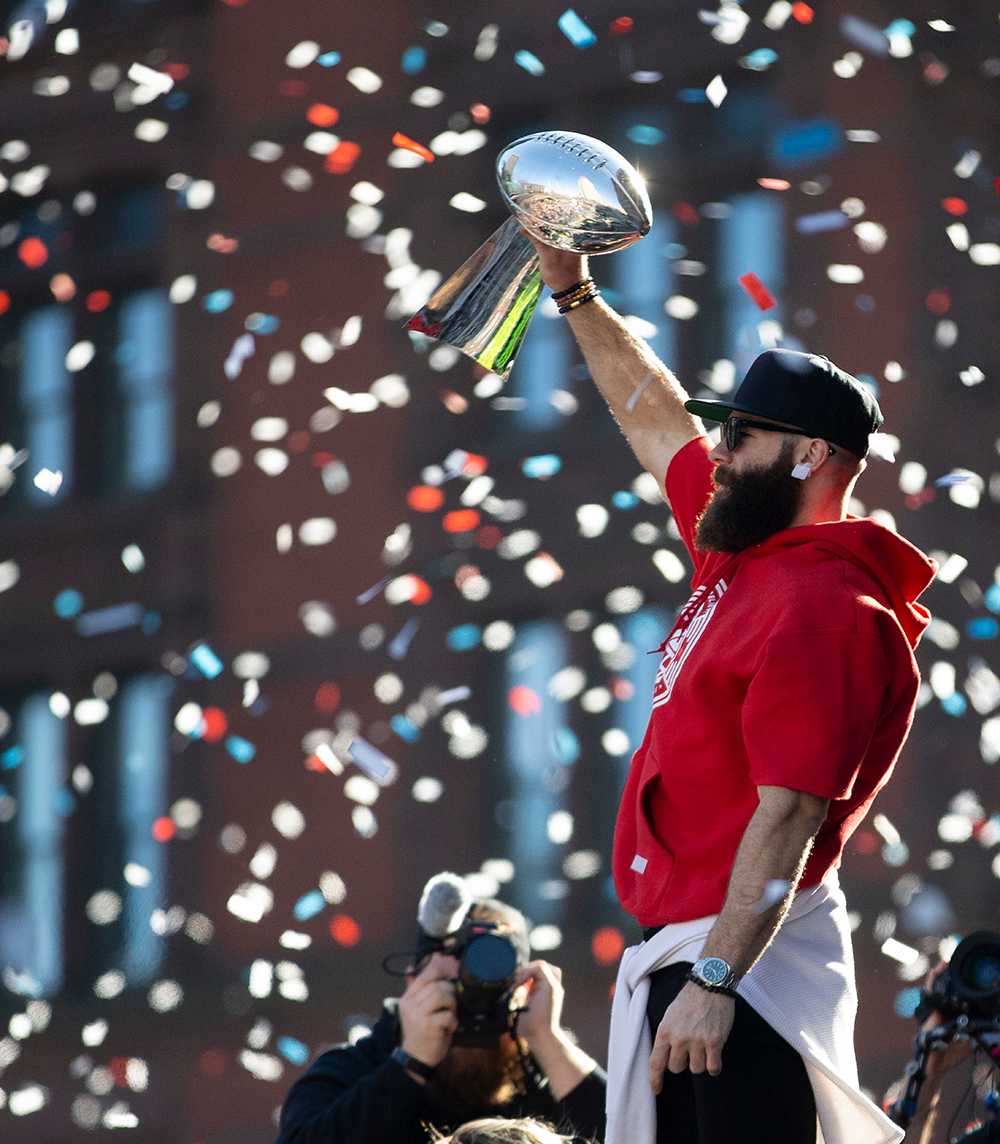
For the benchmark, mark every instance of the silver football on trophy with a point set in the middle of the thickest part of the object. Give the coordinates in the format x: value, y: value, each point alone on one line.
x: 574, y: 192
x: 569, y: 191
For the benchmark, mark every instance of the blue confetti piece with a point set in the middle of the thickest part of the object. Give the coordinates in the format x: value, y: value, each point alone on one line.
x: 821, y: 221
x: 692, y: 95
x: 413, y: 60
x: 955, y: 704
x: 406, y: 730
x: 218, y: 301
x: 805, y: 142
x: 67, y: 604
x: 531, y: 63
x: 328, y: 59
x: 645, y: 135
x: 870, y: 382
x: 400, y: 643
x: 241, y: 750
x: 993, y: 597
x: 464, y: 637
x: 293, y: 1050
x: 952, y: 479
x: 906, y: 1002
x: 982, y: 629
x: 262, y: 323
x: 565, y: 746
x: 206, y: 661
x: 540, y: 467
x: 901, y: 27
x: 624, y: 499
x: 575, y: 30
x: 151, y: 623
x: 309, y: 905
x: 760, y: 60
x: 176, y: 100
x: 11, y: 758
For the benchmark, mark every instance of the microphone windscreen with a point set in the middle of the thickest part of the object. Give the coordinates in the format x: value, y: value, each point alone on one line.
x: 443, y: 905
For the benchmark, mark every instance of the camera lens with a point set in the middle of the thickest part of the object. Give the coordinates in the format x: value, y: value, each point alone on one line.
x: 981, y: 971
x: 490, y: 959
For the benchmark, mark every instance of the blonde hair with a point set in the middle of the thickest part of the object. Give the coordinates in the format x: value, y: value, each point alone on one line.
x: 500, y: 1131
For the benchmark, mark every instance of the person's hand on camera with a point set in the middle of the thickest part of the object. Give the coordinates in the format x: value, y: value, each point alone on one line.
x: 942, y: 1061
x: 560, y: 269
x: 539, y: 996
x: 428, y: 1011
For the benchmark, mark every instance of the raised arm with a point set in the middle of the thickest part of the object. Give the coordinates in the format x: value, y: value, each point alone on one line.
x: 646, y: 399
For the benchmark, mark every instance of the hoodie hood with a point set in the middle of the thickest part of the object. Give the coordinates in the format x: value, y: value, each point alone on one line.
x: 900, y: 567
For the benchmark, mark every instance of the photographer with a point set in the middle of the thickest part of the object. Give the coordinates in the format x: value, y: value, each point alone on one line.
x: 960, y: 1014
x: 476, y: 1033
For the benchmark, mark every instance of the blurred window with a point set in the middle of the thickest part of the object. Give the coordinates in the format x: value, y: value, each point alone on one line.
x: 145, y: 363
x: 643, y: 281
x: 46, y: 395
x: 542, y: 367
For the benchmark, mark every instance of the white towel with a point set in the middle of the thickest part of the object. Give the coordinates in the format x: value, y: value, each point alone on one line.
x: 803, y: 986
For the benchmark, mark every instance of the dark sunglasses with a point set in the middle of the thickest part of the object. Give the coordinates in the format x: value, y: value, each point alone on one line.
x: 733, y: 427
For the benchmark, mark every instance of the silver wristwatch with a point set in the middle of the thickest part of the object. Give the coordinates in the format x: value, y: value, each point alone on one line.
x: 714, y: 974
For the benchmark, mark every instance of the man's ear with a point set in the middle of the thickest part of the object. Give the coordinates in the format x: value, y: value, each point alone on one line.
x: 816, y: 455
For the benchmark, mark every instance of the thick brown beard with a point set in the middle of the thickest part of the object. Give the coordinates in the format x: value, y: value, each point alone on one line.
x: 471, y: 1081
x: 749, y: 506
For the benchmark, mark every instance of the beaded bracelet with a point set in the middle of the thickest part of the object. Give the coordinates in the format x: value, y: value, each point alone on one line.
x: 580, y: 300
x: 585, y: 284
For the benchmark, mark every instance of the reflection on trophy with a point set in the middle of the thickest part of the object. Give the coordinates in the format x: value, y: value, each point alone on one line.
x: 569, y: 191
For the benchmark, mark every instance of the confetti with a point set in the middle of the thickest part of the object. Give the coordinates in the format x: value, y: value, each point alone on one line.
x: 530, y: 62
x: 575, y: 30
x: 407, y: 144
x: 757, y: 290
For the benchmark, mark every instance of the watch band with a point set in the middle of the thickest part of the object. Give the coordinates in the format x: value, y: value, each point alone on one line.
x: 723, y: 989
x: 402, y: 1057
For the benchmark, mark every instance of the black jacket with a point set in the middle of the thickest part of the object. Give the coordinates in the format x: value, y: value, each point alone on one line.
x: 354, y: 1094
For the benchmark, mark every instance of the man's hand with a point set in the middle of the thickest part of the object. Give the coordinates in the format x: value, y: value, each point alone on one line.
x: 560, y: 269
x: 428, y: 1011
x: 540, y: 995
x: 691, y: 1035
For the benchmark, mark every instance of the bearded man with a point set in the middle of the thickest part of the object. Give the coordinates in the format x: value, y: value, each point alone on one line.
x: 786, y: 690
x: 477, y: 1033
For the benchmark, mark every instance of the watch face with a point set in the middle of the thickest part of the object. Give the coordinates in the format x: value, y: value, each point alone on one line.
x: 714, y: 970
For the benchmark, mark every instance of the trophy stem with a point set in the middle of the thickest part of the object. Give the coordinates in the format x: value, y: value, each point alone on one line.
x: 485, y: 307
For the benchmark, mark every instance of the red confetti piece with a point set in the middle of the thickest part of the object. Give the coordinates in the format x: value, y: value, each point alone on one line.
x: 118, y: 1066
x: 213, y: 1062
x: 757, y: 290
x: 607, y: 945
x: 463, y: 520
x: 327, y: 698
x: 98, y: 300
x: 235, y: 3
x: 293, y: 87
x: 63, y: 287
x: 4, y: 301
x: 408, y: 144
x: 342, y: 158
x: 621, y: 688
x: 322, y: 115
x: 774, y: 184
x: 344, y: 930
x: 298, y: 441
x: 278, y: 288
x: 939, y: 301
x: 176, y: 71
x: 453, y: 402
x: 475, y: 465
x: 522, y: 700
x: 33, y: 253
x: 802, y: 12
x: 954, y: 205
x: 421, y: 591
x: 314, y: 763
x: 214, y: 724
x: 488, y: 537
x: 622, y: 26
x: 480, y: 113
x: 918, y: 500
x: 425, y: 498
x: 685, y: 213
x: 222, y: 244
x: 865, y: 842
x: 996, y: 183
x: 321, y: 459
x: 164, y: 829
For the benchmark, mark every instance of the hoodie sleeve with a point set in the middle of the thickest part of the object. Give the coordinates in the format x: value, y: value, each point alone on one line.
x: 812, y: 708
x: 688, y: 486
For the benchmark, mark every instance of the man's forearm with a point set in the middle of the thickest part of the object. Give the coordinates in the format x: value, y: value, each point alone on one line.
x: 645, y: 398
x: 768, y: 866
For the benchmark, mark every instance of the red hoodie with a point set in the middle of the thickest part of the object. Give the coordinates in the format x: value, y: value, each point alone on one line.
x: 791, y: 665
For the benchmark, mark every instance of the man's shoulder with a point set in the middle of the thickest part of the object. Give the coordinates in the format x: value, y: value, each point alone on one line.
x: 366, y: 1052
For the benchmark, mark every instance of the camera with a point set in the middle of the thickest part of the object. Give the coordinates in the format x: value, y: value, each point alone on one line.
x: 487, y: 969
x: 970, y: 985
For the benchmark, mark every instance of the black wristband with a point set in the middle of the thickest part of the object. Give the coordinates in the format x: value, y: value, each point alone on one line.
x: 689, y: 976
x: 402, y: 1057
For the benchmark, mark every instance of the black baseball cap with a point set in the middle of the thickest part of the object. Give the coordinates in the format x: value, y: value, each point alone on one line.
x: 804, y: 390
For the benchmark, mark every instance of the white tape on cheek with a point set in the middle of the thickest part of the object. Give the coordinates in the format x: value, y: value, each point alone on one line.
x: 800, y: 472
